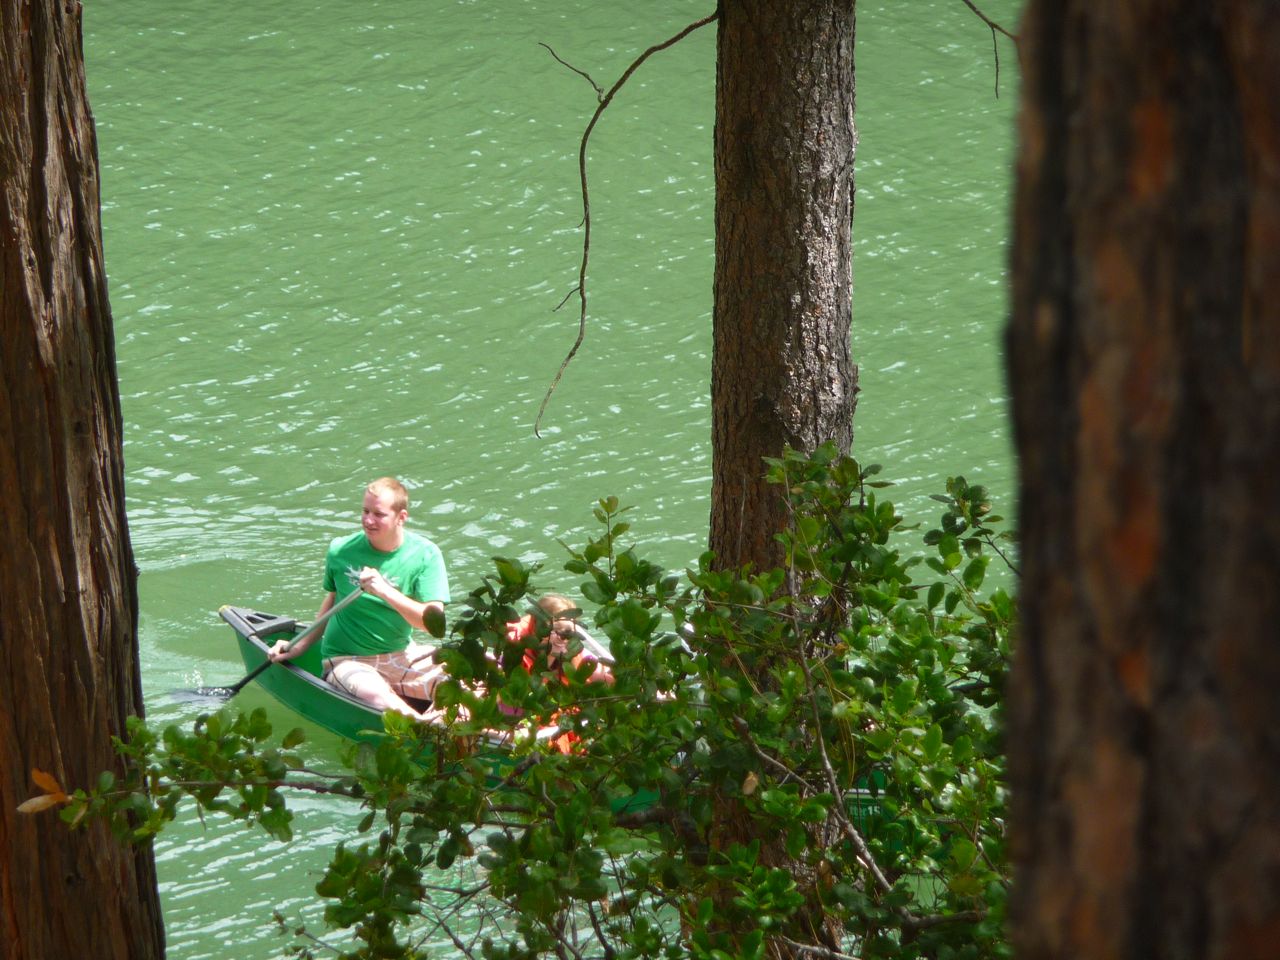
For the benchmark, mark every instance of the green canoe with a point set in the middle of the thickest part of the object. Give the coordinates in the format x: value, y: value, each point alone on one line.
x: 298, y: 685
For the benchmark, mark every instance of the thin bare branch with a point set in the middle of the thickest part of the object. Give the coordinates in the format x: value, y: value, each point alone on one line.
x: 567, y: 296
x: 938, y: 919
x: 582, y: 73
x: 305, y: 786
x: 847, y: 827
x: 1013, y: 567
x: 609, y: 952
x: 638, y: 819
x: 814, y: 950
x: 605, y: 100
x: 306, y: 934
x: 744, y: 731
x: 994, y: 28
x: 462, y: 899
x: 463, y: 948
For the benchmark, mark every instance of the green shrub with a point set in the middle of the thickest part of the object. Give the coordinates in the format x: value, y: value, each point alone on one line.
x: 801, y: 760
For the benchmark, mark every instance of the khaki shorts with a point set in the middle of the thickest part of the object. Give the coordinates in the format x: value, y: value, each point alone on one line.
x: 409, y: 672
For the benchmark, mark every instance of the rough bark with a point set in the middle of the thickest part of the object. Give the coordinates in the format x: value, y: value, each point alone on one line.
x: 68, y: 603
x: 782, y: 374
x: 1145, y: 368
x: 784, y: 145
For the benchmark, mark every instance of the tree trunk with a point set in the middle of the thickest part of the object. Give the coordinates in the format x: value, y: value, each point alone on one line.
x: 1144, y: 357
x: 782, y: 373
x: 68, y: 601
x: 784, y: 145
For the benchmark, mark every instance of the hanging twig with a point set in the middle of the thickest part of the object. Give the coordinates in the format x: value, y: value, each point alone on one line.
x: 582, y: 73
x: 994, y: 28
x: 605, y: 99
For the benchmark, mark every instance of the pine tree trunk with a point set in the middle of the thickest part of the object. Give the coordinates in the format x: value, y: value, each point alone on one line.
x: 1145, y: 366
x: 782, y: 374
x: 68, y: 602
x: 784, y: 145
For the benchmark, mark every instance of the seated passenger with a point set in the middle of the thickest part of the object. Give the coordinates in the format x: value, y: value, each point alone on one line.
x: 550, y: 655
x: 563, y: 628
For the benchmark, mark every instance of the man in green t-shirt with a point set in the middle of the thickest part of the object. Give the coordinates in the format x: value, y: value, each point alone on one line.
x: 367, y: 645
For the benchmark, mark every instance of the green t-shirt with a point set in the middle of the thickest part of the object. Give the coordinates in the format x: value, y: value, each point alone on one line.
x: 370, y: 625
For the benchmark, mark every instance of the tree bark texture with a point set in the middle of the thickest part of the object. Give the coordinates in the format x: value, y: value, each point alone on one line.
x: 784, y: 145
x: 1144, y: 354
x: 68, y: 600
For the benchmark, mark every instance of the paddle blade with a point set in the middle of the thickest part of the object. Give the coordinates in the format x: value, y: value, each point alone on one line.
x: 212, y: 697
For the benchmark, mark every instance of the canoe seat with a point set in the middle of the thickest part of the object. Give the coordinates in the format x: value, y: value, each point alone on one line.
x: 254, y: 623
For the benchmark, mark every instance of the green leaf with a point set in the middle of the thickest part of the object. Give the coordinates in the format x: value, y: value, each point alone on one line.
x: 796, y: 839
x: 293, y: 738
x: 880, y: 740
x: 1001, y: 604
x: 965, y: 885
x: 592, y: 591
x: 433, y: 619
x: 904, y: 696
x: 932, y: 743
x: 447, y: 853
x: 963, y: 853
x: 975, y: 572
x: 509, y: 571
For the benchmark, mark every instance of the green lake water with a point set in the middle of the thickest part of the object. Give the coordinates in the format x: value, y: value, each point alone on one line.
x: 336, y: 235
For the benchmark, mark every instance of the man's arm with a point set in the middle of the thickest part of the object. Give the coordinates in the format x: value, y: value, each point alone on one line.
x: 288, y: 649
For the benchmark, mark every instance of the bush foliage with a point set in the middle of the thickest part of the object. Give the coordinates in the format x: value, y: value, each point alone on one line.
x: 797, y: 761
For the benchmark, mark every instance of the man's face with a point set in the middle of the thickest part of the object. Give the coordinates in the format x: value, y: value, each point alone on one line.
x: 382, y: 523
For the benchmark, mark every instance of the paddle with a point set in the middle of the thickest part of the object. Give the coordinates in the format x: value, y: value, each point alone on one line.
x: 226, y: 693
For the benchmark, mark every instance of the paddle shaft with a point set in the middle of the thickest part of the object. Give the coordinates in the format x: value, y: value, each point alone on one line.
x: 319, y: 622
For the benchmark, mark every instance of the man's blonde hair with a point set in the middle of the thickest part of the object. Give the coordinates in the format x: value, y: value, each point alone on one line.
x: 393, y: 487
